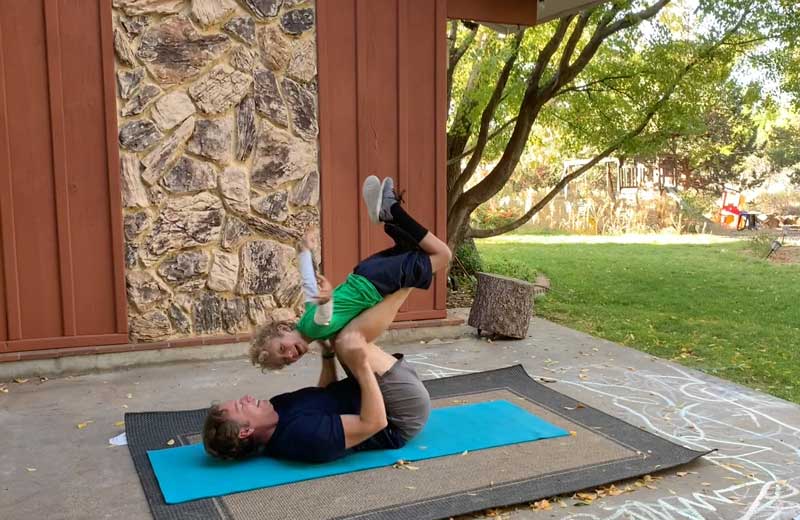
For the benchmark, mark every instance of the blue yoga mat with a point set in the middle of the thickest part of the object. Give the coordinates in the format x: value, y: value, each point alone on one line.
x: 187, y: 473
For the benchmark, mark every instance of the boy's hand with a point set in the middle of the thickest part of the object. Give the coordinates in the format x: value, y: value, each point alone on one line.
x: 325, y: 290
x: 310, y: 239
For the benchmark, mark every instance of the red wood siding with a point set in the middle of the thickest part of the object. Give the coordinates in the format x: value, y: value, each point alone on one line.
x: 382, y: 112
x: 60, y: 216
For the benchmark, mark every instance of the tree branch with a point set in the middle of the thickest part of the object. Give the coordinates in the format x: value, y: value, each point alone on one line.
x: 485, y: 233
x: 529, y: 109
x: 488, y: 114
x: 572, y: 43
x: 602, y: 32
x: 586, y: 86
x: 456, y: 53
x: 494, y: 134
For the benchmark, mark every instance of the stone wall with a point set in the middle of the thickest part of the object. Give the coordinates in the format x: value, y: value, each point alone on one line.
x: 218, y: 152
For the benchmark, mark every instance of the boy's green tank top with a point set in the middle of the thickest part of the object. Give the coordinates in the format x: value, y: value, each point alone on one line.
x: 350, y: 298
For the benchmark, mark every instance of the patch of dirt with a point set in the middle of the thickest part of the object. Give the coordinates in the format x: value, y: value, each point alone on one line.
x: 461, y: 298
x: 786, y: 255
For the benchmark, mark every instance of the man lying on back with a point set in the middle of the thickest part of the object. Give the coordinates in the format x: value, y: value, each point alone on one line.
x: 313, y: 424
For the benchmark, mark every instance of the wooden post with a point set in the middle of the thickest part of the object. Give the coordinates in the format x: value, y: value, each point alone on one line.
x: 502, y: 305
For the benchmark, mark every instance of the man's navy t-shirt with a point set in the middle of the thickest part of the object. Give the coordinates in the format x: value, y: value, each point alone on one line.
x: 310, y: 427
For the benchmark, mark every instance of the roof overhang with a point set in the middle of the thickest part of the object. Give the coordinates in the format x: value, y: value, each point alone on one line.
x: 515, y: 13
x: 552, y: 9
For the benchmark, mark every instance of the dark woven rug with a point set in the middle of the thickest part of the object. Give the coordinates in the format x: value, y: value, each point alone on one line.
x: 602, y: 449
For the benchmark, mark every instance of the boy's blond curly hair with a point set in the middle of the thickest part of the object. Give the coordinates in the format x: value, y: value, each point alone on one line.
x: 259, y: 353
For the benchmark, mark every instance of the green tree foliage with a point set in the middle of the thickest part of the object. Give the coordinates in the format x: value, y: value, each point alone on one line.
x: 783, y: 149
x: 629, y: 78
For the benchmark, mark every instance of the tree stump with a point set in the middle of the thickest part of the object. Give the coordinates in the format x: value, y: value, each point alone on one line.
x: 502, y: 305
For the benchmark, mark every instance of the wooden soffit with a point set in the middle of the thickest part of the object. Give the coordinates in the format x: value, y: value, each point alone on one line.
x: 515, y: 12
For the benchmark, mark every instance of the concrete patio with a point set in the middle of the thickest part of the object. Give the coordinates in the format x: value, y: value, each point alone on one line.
x: 51, y: 468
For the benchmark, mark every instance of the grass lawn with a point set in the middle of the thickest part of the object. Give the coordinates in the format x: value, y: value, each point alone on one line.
x: 712, y: 307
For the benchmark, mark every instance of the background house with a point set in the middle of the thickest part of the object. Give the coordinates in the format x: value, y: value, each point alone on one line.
x: 158, y: 158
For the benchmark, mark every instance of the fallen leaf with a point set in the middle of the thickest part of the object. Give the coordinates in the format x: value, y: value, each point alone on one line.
x: 31, y: 469
x: 573, y: 433
x: 682, y: 473
x: 20, y: 380
x: 586, y: 497
x: 562, y: 503
x: 547, y: 380
x: 119, y: 424
x: 3, y: 389
x: 581, y: 504
x: 542, y: 505
x: 83, y: 425
x: 124, y: 405
x: 129, y: 396
x: 650, y: 486
x: 43, y: 379
x: 464, y: 452
x: 411, y: 487
x: 705, y: 483
x: 170, y: 442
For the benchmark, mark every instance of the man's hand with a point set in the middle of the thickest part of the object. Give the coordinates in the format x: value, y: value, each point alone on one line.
x: 325, y: 290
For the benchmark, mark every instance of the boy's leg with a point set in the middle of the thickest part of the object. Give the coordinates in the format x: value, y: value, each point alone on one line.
x: 374, y: 321
x: 391, y: 212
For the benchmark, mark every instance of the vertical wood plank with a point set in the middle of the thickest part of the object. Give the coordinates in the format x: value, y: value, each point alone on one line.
x: 402, y: 104
x: 402, y: 90
x: 11, y: 319
x: 440, y: 168
x: 60, y: 171
x: 326, y: 184
x: 9, y: 290
x: 338, y: 120
x: 112, y: 158
x: 362, y: 115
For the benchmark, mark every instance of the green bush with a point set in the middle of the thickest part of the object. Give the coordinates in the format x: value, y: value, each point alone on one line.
x: 760, y: 244
x: 467, y: 260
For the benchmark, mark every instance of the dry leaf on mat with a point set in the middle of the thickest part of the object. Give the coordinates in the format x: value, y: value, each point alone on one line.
x: 542, y: 505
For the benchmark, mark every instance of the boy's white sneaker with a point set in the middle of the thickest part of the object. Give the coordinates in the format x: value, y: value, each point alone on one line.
x: 373, y: 197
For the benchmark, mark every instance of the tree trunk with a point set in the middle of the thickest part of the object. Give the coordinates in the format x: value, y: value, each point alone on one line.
x: 502, y: 306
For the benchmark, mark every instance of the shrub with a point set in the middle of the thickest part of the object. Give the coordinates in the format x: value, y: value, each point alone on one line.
x: 760, y: 244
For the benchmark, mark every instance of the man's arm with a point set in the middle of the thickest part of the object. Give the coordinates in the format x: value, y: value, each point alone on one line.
x: 327, y: 374
x: 372, y: 419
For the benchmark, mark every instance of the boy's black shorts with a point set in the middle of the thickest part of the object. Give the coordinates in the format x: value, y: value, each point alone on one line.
x: 392, y: 270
